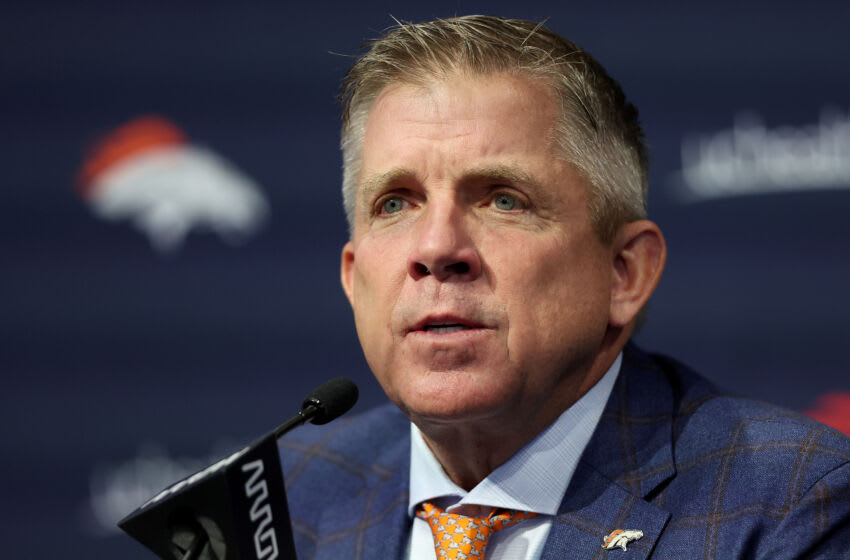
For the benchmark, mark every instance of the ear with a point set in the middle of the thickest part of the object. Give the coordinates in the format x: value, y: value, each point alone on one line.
x: 639, y: 256
x: 346, y: 271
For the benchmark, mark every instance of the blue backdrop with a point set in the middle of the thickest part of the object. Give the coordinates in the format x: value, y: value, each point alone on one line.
x: 123, y: 369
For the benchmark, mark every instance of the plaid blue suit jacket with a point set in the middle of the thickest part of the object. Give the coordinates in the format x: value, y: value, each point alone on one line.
x: 702, y: 474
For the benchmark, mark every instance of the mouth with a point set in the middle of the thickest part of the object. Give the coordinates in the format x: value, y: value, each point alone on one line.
x: 445, y: 325
x: 445, y: 328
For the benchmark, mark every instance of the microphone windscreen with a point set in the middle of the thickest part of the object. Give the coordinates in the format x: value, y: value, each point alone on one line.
x: 333, y: 398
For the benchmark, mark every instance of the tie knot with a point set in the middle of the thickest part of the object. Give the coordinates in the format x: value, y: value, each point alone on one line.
x: 461, y: 536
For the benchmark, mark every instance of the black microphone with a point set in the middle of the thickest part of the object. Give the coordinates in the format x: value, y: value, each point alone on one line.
x: 234, y: 509
x: 326, y: 402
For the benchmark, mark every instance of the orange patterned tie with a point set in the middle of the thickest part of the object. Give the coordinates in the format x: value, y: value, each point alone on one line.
x: 462, y: 537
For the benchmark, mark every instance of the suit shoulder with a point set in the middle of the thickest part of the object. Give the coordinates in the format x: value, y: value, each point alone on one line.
x: 353, y: 452
x: 746, y: 478
x: 357, y: 437
x: 338, y: 475
x: 757, y: 444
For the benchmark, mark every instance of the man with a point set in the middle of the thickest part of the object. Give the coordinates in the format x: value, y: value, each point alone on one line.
x: 495, y: 185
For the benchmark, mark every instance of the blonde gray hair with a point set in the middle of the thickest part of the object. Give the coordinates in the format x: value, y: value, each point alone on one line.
x: 597, y: 131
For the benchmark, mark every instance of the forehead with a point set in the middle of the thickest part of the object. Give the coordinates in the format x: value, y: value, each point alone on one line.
x: 489, y: 121
x: 466, y: 96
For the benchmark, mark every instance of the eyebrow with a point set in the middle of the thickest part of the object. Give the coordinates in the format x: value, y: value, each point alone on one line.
x: 379, y: 182
x: 507, y: 174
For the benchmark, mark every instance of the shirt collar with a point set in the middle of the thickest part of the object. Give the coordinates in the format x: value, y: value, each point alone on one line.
x: 527, y: 480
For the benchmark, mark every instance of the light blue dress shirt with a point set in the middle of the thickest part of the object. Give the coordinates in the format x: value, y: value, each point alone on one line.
x: 534, y: 479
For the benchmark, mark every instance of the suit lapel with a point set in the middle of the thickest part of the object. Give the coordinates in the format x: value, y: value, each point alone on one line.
x: 593, y: 508
x: 626, y: 462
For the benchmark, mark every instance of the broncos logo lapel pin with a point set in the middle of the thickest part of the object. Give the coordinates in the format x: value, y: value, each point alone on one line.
x: 620, y: 538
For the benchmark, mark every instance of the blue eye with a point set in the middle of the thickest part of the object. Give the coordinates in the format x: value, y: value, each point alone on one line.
x: 392, y: 205
x: 504, y: 201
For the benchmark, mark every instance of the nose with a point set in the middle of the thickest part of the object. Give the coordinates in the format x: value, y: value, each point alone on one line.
x: 443, y: 247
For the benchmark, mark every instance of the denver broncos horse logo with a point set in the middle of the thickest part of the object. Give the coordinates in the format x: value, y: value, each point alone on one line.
x: 620, y: 538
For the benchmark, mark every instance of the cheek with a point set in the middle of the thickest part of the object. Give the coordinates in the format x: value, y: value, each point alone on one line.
x: 376, y: 285
x: 371, y: 269
x: 558, y: 301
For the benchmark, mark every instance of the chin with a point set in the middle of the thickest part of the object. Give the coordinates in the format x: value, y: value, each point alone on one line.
x: 446, y: 397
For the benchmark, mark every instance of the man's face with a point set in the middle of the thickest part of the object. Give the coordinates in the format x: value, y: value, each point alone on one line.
x: 478, y: 285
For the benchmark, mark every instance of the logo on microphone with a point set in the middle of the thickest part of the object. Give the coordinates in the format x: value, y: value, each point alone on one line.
x: 265, y: 540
